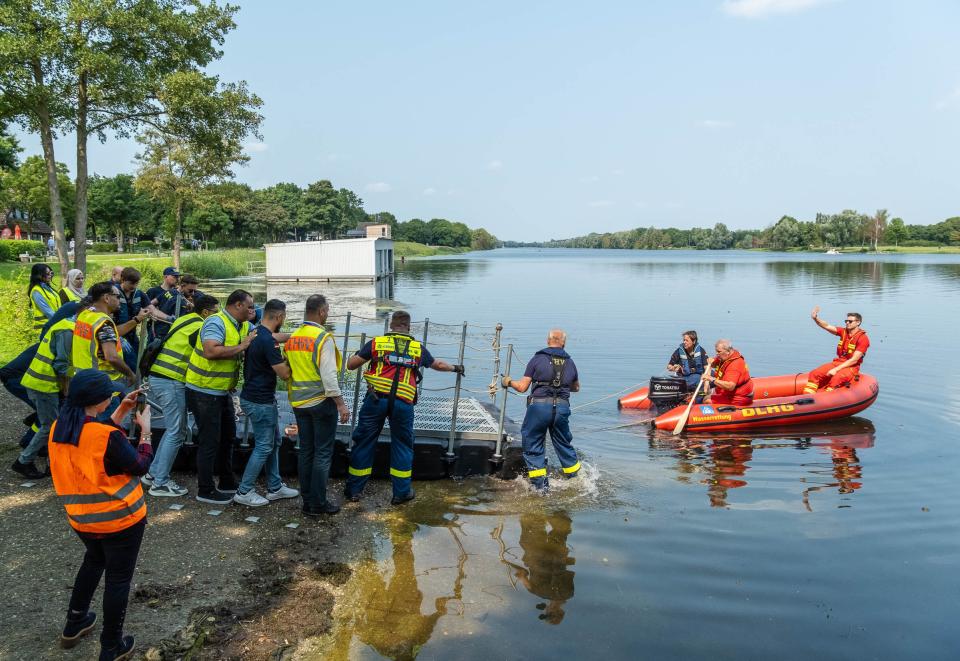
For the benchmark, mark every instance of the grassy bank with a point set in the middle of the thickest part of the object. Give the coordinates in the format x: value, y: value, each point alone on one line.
x: 410, y: 249
x: 15, y: 276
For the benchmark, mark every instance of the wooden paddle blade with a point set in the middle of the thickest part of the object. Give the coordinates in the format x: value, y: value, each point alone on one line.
x: 682, y: 422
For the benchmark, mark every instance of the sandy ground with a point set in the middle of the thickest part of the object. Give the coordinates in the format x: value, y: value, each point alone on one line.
x: 206, y: 587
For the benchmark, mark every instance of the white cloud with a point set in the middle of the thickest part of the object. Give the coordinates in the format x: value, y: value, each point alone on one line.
x: 256, y: 147
x: 618, y: 172
x: 592, y: 179
x: 601, y: 203
x: 714, y: 124
x: 494, y: 165
x: 378, y: 187
x: 429, y: 191
x: 761, y: 8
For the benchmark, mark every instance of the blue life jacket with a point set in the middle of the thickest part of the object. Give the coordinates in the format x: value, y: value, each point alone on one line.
x: 696, y: 366
x: 128, y: 311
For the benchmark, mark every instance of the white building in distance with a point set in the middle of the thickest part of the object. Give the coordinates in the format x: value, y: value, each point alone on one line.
x: 345, y: 260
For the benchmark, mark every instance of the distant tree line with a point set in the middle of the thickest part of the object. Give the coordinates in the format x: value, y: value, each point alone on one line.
x: 839, y: 230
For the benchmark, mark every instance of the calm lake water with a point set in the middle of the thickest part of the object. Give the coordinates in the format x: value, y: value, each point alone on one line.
x: 840, y: 541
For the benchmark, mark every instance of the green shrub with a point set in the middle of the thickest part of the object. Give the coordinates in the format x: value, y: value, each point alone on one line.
x: 103, y: 247
x: 920, y: 243
x: 17, y: 325
x: 146, y: 245
x: 218, y: 265
x: 11, y: 249
x: 210, y: 245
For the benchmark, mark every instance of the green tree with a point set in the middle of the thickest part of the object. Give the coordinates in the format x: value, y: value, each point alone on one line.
x: 481, y: 239
x: 721, y: 238
x: 289, y: 197
x: 441, y: 232
x: 207, y: 218
x: 117, y: 208
x: 785, y: 234
x: 878, y: 225
x: 351, y: 211
x: 29, y: 190
x: 384, y: 218
x: 896, y: 232
x: 414, y: 230
x: 35, y: 89
x: 321, y: 210
x: 9, y: 162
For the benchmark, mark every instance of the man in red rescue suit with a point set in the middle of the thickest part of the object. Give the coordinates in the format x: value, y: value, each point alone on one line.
x: 851, y: 349
x: 396, y: 360
x: 731, y: 377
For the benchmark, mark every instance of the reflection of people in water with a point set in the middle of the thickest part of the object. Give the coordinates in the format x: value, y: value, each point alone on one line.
x: 728, y: 465
x: 846, y: 470
x: 391, y: 620
x: 546, y: 560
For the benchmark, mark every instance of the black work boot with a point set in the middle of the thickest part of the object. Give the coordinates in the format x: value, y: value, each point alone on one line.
x: 122, y: 651
x: 29, y: 471
x: 400, y: 500
x: 78, y: 625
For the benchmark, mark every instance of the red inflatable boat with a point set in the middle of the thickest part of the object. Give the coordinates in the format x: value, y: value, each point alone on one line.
x: 778, y: 401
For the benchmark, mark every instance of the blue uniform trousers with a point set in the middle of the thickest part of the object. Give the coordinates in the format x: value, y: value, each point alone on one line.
x: 540, y: 418
x: 370, y: 419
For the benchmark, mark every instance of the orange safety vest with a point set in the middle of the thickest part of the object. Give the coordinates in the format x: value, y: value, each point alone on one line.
x: 744, y: 387
x: 848, y: 344
x: 395, y: 367
x: 95, y: 502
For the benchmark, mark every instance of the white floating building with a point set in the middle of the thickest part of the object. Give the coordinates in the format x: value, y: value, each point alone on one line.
x: 367, y: 259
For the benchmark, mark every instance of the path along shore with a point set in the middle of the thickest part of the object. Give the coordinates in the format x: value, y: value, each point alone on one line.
x: 206, y: 587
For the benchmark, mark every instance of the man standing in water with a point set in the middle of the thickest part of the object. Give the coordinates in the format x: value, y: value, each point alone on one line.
x: 553, y: 375
x: 851, y: 349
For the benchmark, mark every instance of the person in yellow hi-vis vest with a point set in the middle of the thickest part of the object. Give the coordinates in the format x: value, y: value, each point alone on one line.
x: 44, y: 299
x: 213, y: 371
x: 314, y: 393
x: 396, y: 361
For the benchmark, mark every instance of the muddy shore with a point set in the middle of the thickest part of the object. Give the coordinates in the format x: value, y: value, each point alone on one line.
x: 206, y: 587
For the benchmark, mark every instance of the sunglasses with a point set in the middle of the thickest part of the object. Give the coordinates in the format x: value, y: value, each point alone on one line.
x: 850, y: 321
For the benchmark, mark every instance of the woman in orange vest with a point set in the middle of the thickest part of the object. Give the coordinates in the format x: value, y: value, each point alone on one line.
x: 96, y: 474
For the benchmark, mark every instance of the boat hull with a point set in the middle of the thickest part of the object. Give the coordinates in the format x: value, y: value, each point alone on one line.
x: 779, y: 401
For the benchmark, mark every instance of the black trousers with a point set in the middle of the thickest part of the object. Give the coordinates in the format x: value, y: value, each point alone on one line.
x: 116, y: 555
x: 217, y: 432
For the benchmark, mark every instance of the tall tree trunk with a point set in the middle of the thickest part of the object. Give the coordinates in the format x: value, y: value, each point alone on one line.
x: 46, y: 139
x: 80, y: 222
x: 177, y: 232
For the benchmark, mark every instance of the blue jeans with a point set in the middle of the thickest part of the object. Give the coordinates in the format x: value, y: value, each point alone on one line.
x: 170, y: 395
x: 266, y: 446
x: 540, y: 418
x: 317, y: 431
x: 370, y: 419
x: 48, y: 408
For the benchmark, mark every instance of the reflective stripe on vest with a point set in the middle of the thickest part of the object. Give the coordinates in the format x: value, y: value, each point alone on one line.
x: 174, y: 355
x: 699, y: 361
x: 53, y: 300
x: 40, y: 375
x: 305, y: 387
x: 221, y: 374
x: 848, y: 344
x: 86, y: 349
x: 94, y: 501
x: 389, y: 356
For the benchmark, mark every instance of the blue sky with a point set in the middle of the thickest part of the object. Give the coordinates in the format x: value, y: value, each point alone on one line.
x: 543, y: 120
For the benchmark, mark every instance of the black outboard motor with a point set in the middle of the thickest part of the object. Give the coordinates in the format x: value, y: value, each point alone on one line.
x: 667, y: 392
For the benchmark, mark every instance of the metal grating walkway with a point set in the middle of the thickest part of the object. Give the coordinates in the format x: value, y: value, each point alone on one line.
x: 433, y: 416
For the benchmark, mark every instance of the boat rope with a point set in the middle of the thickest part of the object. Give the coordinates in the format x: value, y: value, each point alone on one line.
x: 603, y: 399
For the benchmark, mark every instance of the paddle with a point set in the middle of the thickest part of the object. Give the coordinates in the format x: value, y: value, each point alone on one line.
x: 686, y: 414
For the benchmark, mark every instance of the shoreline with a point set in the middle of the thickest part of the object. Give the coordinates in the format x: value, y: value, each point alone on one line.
x: 206, y: 587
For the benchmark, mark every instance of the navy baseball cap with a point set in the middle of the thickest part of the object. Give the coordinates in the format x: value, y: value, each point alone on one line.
x: 171, y: 271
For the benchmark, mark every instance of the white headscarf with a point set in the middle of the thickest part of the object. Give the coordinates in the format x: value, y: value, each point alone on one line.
x: 76, y: 289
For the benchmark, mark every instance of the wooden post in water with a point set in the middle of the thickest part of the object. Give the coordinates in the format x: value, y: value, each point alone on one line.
x: 456, y: 396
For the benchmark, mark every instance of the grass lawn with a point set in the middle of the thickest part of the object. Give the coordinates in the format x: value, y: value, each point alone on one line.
x: 411, y: 249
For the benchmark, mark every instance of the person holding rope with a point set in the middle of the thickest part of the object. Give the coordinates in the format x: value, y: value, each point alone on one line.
x: 553, y: 375
x: 396, y: 363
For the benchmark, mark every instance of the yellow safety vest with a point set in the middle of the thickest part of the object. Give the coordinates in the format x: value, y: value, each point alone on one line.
x: 305, y: 387
x: 395, y: 363
x: 86, y: 346
x: 174, y: 355
x: 221, y: 374
x: 52, y: 299
x: 67, y: 295
x: 40, y: 375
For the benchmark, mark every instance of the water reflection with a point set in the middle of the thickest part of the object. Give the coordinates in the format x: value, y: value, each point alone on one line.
x: 424, y: 271
x: 722, y: 462
x: 390, y: 617
x: 840, y: 275
x: 544, y: 568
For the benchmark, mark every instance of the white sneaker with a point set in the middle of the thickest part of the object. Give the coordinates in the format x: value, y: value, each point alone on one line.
x: 147, y: 479
x: 283, y: 492
x: 169, y: 488
x: 250, y: 499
